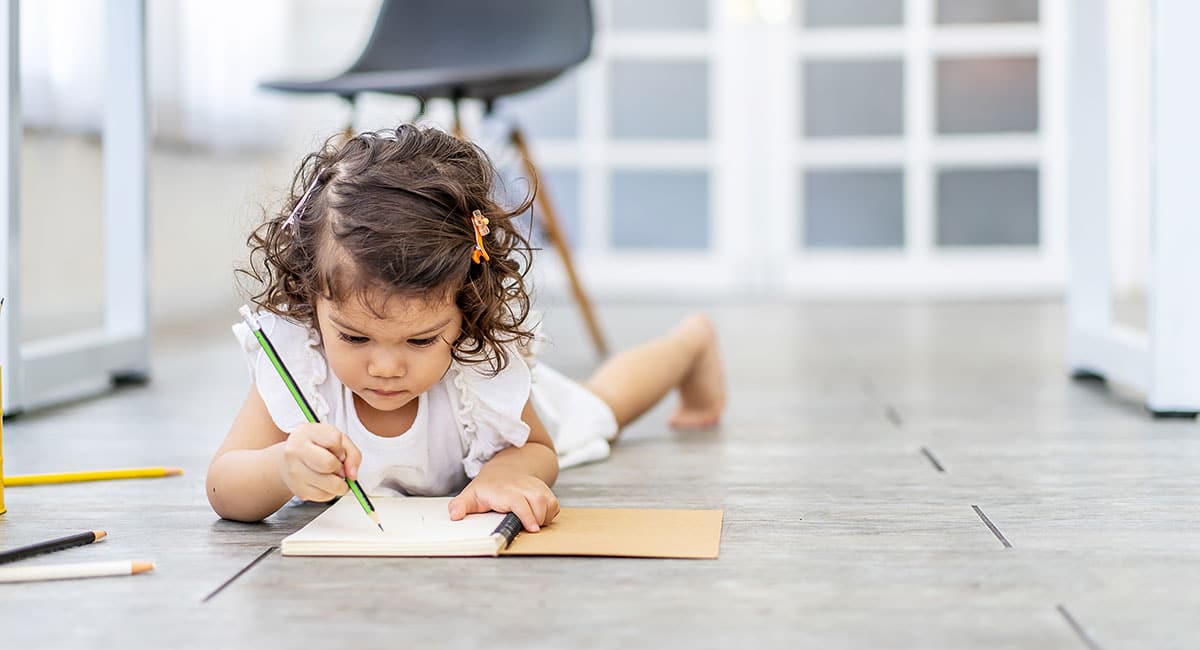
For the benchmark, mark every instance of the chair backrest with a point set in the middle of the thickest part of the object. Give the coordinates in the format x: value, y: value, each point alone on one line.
x: 424, y: 34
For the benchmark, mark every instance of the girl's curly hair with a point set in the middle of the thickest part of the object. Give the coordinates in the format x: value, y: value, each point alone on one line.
x: 390, y: 213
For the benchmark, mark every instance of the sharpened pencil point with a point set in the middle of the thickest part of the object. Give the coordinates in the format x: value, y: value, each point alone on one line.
x: 380, y: 526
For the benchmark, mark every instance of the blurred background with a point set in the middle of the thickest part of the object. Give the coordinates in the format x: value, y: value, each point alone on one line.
x: 707, y: 149
x: 869, y: 197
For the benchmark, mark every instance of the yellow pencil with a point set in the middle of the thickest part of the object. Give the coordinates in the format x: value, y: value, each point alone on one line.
x: 100, y: 475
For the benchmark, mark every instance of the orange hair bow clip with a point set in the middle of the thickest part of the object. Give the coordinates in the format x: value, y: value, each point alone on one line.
x: 481, y: 228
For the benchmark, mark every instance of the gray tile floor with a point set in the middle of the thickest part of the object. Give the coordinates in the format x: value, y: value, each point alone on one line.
x: 863, y: 447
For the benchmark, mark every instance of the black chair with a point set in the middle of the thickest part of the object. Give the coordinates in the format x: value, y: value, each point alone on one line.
x: 472, y: 49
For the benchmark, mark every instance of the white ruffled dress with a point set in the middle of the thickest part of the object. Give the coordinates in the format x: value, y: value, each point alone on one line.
x: 461, y: 422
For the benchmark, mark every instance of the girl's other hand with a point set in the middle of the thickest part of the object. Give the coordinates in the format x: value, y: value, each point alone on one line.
x: 317, y: 460
x: 528, y: 497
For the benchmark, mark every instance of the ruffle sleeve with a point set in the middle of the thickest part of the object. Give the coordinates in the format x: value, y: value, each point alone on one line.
x: 488, y: 409
x: 300, y: 349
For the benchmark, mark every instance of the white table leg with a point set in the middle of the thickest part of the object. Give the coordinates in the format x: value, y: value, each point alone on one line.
x: 1089, y: 306
x: 1173, y: 318
x: 47, y: 371
x: 10, y: 202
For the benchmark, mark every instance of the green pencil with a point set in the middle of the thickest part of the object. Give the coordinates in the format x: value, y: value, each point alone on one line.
x: 286, y: 376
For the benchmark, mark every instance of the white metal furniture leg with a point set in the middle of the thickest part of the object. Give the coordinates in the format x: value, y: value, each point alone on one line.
x: 1089, y: 310
x: 1173, y: 318
x: 47, y: 371
x: 1164, y: 361
x: 10, y: 201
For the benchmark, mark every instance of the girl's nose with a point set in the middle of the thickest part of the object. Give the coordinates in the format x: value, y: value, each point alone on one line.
x: 387, y: 365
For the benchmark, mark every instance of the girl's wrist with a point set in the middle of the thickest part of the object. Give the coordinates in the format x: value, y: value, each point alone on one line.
x: 275, y: 460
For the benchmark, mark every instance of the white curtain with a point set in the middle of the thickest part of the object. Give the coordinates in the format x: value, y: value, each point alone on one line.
x: 61, y: 65
x: 205, y: 61
x: 207, y: 58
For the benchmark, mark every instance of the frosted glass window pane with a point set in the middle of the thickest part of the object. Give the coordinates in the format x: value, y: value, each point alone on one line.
x: 987, y: 11
x: 659, y: 209
x: 658, y: 99
x: 987, y: 207
x: 548, y: 111
x: 987, y: 95
x: 853, y: 209
x: 681, y: 15
x: 562, y: 186
x: 851, y: 13
x: 853, y: 98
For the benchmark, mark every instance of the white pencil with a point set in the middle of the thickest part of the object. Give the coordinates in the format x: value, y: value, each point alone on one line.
x: 70, y: 571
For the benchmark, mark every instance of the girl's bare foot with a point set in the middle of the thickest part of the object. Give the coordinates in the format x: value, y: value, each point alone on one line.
x: 702, y: 391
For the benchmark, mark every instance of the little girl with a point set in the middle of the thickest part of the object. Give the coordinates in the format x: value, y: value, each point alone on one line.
x: 393, y: 287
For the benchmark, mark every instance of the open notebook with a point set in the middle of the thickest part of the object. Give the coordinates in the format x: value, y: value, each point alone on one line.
x: 419, y: 526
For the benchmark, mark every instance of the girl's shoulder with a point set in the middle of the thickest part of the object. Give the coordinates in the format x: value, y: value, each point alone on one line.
x: 299, y: 347
x: 292, y: 339
x: 511, y: 384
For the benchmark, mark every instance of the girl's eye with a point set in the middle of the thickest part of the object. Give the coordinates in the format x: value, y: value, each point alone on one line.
x: 423, y: 343
x: 353, y: 340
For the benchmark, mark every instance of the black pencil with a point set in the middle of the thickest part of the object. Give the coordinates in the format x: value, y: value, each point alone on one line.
x: 51, y: 546
x: 508, y: 529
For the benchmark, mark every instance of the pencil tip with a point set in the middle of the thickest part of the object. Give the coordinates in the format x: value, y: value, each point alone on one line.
x: 99, y: 534
x: 380, y: 526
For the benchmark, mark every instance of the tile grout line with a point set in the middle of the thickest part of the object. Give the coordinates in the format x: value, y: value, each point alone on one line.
x: 260, y: 558
x: 1079, y: 631
x: 932, y: 459
x: 992, y: 527
x: 893, y: 416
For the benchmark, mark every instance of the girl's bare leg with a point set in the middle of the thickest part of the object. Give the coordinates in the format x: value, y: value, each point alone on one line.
x: 686, y: 358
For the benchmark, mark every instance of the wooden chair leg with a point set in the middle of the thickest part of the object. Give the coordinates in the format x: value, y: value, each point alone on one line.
x: 550, y: 223
x: 348, y: 132
x: 458, y: 126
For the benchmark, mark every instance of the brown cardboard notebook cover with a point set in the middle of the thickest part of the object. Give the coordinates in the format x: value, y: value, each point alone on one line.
x: 694, y: 534
x: 416, y: 526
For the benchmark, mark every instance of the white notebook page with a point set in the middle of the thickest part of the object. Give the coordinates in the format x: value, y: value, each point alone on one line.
x: 412, y: 525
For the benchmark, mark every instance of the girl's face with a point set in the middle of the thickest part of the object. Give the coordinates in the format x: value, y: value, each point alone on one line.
x: 389, y: 361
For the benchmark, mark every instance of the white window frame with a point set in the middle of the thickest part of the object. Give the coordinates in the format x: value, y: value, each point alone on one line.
x: 920, y: 268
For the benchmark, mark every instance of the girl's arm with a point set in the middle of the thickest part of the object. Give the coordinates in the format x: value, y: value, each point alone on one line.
x: 243, y: 483
x: 259, y: 468
x: 516, y: 480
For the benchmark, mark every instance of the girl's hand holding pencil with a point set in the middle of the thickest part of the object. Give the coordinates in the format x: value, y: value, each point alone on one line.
x: 317, y: 460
